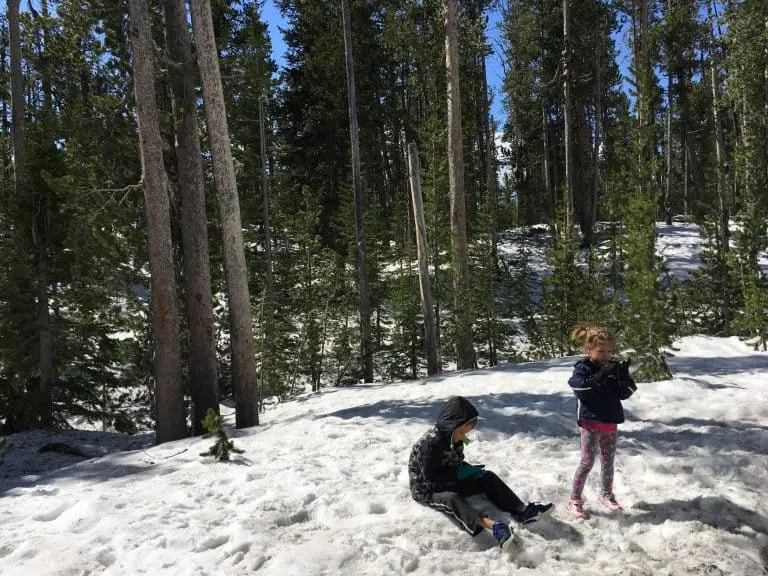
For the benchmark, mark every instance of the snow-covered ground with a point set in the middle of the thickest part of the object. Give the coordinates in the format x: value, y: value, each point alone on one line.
x: 322, y: 488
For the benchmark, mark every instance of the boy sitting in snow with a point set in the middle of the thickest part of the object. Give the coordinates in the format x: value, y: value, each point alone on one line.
x: 441, y: 479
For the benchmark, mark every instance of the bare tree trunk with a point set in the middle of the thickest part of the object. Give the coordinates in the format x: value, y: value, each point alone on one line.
x: 414, y: 172
x: 567, y: 113
x: 354, y: 133
x: 551, y: 190
x: 40, y: 398
x: 244, y: 379
x: 4, y: 127
x: 694, y: 168
x: 686, y: 208
x: 436, y: 254
x: 462, y: 307
x: 265, y: 196
x: 668, y: 181
x: 194, y: 222
x: 18, y: 136
x: 41, y: 229
x: 598, y: 127
x: 722, y: 187
x: 490, y: 159
x: 45, y: 332
x: 641, y: 59
x: 169, y: 399
x: 267, y: 308
x: 763, y: 169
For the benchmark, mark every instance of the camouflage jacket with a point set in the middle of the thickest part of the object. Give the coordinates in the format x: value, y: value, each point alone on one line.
x: 435, y: 457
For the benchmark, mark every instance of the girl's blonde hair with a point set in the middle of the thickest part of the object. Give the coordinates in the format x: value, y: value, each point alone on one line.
x: 591, y: 336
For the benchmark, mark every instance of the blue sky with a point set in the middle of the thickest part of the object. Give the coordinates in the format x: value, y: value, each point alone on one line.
x: 494, y: 67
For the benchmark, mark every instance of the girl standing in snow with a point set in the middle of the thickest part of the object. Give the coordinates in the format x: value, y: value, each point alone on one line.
x: 600, y: 384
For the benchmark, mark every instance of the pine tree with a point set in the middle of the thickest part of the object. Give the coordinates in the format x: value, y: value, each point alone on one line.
x: 223, y: 446
x: 564, y: 290
x: 748, y: 74
x: 645, y: 327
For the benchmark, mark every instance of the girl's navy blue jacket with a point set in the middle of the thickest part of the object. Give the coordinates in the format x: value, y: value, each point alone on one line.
x: 600, y: 391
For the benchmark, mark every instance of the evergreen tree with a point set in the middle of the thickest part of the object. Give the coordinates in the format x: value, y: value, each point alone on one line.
x: 223, y: 446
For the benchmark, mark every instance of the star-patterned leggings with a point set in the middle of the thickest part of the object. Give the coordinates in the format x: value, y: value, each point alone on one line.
x: 590, y: 441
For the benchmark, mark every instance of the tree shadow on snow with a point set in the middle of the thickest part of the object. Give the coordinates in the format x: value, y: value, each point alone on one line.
x: 709, y: 366
x: 722, y: 435
x: 554, y: 416
x: 97, y: 471
x: 706, y: 385
x: 715, y: 511
x: 39, y: 458
x: 544, y: 415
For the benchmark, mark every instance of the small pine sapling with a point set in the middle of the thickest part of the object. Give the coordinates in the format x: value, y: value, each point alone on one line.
x: 223, y: 445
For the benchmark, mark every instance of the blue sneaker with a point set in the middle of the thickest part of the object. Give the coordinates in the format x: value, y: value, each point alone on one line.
x: 502, y: 533
x: 534, y: 511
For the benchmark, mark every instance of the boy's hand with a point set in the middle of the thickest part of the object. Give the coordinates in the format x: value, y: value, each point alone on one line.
x: 466, y: 471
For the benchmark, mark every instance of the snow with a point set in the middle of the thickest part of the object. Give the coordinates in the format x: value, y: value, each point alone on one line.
x: 322, y: 488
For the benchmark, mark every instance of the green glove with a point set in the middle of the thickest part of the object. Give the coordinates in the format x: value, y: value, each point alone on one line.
x: 466, y: 471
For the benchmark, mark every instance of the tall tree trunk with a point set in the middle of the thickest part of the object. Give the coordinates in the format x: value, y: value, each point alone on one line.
x: 267, y: 307
x: 169, y: 399
x: 644, y: 75
x: 40, y: 397
x: 762, y: 193
x: 18, y: 136
x: 244, y: 378
x: 490, y: 156
x: 694, y: 168
x: 723, y: 193
x: 194, y: 221
x: 41, y: 237
x: 567, y: 114
x: 354, y: 133
x: 265, y: 196
x: 668, y: 178
x: 436, y: 252
x: 414, y: 172
x: 462, y: 307
x: 487, y: 129
x: 4, y: 125
x: 598, y: 126
x: 551, y: 190
x: 643, y: 90
x: 684, y: 172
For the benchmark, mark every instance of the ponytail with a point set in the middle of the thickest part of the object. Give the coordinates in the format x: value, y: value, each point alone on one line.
x: 590, y: 336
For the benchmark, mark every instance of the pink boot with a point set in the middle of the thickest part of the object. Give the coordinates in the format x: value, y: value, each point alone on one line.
x: 576, y: 509
x: 609, y: 502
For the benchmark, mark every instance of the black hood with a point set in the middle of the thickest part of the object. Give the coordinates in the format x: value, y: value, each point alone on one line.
x: 456, y: 412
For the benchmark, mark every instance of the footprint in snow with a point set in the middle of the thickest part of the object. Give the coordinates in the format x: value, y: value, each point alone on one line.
x: 51, y: 514
x: 297, y: 518
x: 212, y: 543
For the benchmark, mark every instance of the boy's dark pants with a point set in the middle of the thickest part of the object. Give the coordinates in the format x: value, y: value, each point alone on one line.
x: 454, y: 504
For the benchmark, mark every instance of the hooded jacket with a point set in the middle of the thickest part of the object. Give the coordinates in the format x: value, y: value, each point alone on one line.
x: 435, y: 457
x: 599, y: 400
